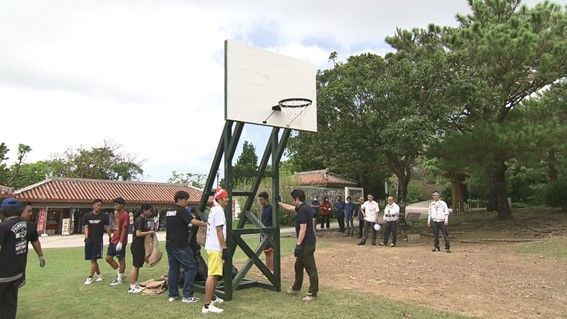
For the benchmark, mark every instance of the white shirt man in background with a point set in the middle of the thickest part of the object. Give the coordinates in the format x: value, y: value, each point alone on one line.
x: 370, y: 212
x: 391, y: 216
x: 438, y: 219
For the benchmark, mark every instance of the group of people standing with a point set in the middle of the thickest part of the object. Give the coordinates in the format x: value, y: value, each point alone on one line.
x: 181, y: 245
x: 368, y: 213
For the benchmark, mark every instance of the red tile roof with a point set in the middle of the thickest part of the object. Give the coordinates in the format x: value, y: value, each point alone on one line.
x: 323, y: 178
x: 78, y: 190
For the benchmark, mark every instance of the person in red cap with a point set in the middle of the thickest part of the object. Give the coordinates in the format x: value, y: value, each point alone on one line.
x: 217, y: 250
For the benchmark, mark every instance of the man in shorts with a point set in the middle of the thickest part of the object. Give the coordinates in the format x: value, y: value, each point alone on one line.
x: 217, y: 250
x: 95, y: 225
x: 117, y: 246
x: 267, y: 221
x: 143, y: 226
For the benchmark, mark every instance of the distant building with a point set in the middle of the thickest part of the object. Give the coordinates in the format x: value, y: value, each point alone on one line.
x: 68, y: 199
x: 322, y: 183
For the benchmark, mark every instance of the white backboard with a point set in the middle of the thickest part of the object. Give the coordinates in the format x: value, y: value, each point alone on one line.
x: 257, y: 79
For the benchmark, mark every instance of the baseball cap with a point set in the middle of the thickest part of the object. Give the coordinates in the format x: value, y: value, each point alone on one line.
x: 11, y: 202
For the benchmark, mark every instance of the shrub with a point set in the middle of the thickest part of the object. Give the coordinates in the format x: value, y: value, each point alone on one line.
x: 557, y: 194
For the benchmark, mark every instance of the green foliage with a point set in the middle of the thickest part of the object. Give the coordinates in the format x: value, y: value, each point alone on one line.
x: 246, y: 163
x: 193, y: 179
x: 556, y: 195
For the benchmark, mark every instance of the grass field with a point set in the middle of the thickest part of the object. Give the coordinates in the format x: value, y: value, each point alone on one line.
x: 554, y: 247
x: 57, y: 291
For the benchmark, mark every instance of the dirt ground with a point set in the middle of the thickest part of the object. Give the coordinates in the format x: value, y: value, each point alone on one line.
x: 488, y: 279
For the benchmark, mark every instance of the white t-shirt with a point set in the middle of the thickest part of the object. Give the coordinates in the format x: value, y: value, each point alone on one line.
x: 216, y: 218
x: 371, y: 210
x: 391, y: 212
x: 438, y: 211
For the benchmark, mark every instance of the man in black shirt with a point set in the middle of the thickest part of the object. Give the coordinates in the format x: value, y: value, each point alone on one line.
x: 14, y: 237
x: 95, y: 225
x: 143, y: 226
x: 267, y: 221
x: 304, y: 247
x: 179, y: 253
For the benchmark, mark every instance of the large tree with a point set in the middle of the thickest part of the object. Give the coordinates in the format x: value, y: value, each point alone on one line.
x: 501, y: 54
x: 246, y: 164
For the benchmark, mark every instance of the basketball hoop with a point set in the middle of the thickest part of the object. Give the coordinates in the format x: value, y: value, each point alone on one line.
x: 295, y: 106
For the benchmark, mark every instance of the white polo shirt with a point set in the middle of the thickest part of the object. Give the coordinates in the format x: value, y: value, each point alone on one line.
x: 216, y: 218
x: 371, y: 211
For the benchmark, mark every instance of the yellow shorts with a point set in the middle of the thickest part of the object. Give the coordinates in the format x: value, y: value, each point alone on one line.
x: 214, y: 262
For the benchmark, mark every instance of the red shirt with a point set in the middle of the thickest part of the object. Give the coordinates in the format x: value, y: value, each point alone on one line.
x: 121, y: 222
x: 326, y: 208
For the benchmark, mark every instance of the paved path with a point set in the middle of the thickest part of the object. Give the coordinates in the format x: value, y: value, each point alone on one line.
x: 59, y: 241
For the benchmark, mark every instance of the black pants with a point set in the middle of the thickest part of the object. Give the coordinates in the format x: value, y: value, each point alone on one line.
x: 326, y: 220
x: 349, y: 225
x: 341, y: 220
x: 306, y: 261
x: 391, y: 227
x: 369, y: 226
x: 437, y: 227
x: 360, y: 228
x: 9, y: 299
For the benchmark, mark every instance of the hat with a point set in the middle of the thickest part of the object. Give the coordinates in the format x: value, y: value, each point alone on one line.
x: 377, y: 227
x: 11, y: 203
x: 220, y: 193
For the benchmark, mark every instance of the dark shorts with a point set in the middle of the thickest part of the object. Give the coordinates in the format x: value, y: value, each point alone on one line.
x: 138, y: 254
x: 93, y: 251
x: 270, y: 246
x: 112, y: 251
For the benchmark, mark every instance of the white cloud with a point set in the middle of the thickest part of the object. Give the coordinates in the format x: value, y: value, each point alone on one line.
x: 149, y: 74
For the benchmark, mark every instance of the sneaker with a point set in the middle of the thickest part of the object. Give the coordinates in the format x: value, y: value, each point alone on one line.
x: 392, y: 245
x: 447, y: 250
x: 211, y: 309
x: 99, y: 278
x: 435, y: 249
x: 360, y: 243
x: 89, y: 281
x: 217, y: 301
x: 381, y: 244
x: 135, y: 290
x: 116, y: 281
x: 292, y: 292
x: 190, y: 299
x: 309, y: 298
x: 172, y: 299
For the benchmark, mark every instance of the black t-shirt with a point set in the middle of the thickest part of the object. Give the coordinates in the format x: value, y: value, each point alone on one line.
x: 305, y: 216
x: 14, y: 237
x: 177, y: 222
x: 95, y: 224
x: 267, y: 216
x: 142, y: 224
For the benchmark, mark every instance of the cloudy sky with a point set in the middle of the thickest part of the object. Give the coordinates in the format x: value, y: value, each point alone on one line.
x: 148, y: 75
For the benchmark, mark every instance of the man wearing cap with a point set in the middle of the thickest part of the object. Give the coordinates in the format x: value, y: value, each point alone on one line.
x: 391, y: 216
x: 370, y: 210
x: 438, y: 219
x: 179, y: 252
x: 217, y: 250
x: 15, y: 234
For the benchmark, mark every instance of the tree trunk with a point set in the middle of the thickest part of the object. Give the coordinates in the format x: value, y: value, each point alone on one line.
x: 491, y: 205
x: 403, y: 183
x: 551, y: 167
x: 498, y: 179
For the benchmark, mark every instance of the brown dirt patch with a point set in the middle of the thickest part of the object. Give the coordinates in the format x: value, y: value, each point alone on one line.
x: 489, y: 280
